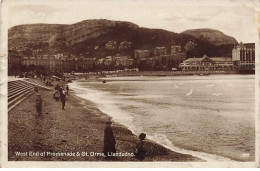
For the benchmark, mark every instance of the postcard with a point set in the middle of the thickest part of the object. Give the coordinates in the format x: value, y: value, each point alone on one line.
x: 122, y: 83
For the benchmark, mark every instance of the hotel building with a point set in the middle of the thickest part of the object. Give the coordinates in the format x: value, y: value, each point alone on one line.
x: 207, y: 64
x: 243, y: 56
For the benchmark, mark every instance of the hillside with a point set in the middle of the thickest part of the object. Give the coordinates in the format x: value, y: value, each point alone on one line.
x: 212, y: 36
x: 98, y: 38
x: 32, y: 33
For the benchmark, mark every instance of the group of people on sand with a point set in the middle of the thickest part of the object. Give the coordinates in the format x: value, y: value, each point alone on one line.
x: 109, y: 139
x: 110, y: 143
x: 48, y: 83
x: 47, y: 80
x: 60, y: 93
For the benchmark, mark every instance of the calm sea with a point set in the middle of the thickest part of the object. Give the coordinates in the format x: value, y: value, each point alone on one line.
x: 211, y: 117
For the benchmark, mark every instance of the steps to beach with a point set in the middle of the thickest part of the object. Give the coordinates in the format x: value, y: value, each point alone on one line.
x: 19, y: 90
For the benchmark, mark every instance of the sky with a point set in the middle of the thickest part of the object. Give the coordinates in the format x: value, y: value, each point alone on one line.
x: 236, y: 18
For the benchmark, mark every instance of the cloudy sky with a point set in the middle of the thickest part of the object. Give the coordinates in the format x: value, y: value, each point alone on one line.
x: 236, y: 18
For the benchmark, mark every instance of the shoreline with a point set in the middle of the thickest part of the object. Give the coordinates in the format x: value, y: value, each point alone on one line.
x: 202, y: 155
x: 99, y: 77
x: 157, y: 73
x: 77, y: 129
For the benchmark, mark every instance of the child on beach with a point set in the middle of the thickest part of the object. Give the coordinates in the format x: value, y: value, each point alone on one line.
x: 56, y: 95
x: 39, y: 104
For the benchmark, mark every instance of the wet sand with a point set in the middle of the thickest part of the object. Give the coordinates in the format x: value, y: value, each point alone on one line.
x: 78, y: 128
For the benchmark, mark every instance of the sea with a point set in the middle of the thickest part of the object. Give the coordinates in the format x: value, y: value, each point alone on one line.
x: 211, y: 117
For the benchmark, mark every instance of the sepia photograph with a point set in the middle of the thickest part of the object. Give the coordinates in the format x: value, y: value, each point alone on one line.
x: 129, y: 83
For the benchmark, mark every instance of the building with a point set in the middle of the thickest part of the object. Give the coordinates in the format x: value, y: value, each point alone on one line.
x: 222, y: 63
x: 161, y: 60
x: 142, y: 54
x: 111, y: 45
x: 57, y: 62
x: 124, y: 45
x: 175, y: 49
x: 174, y: 60
x: 50, y: 63
x: 207, y: 64
x: 108, y: 61
x: 243, y: 56
x: 100, y: 61
x: 159, y: 51
x: 120, y: 60
x: 69, y: 65
x: 14, y: 60
x: 124, y: 61
x: 81, y: 64
x: 129, y: 62
x: 171, y: 60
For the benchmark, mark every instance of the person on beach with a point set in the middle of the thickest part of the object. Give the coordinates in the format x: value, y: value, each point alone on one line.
x: 57, y: 87
x: 109, y: 140
x: 61, y: 89
x: 39, y: 104
x: 67, y: 88
x: 62, y: 98
x: 140, y: 151
x: 56, y: 95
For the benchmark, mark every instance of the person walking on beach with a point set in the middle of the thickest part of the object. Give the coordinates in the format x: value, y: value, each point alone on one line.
x: 39, y: 104
x: 61, y: 89
x: 67, y: 88
x: 140, y: 151
x: 62, y: 98
x: 109, y: 140
x: 56, y: 94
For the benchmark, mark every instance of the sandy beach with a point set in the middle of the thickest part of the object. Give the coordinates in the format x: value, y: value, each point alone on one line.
x: 78, y: 128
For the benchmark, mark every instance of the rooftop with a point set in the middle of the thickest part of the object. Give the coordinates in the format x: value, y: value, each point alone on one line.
x: 212, y: 58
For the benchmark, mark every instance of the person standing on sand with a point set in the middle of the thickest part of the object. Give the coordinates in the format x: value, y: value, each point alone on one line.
x: 38, y: 104
x: 56, y: 95
x: 61, y: 89
x: 67, y: 88
x: 62, y: 98
x: 109, y: 140
x: 140, y: 151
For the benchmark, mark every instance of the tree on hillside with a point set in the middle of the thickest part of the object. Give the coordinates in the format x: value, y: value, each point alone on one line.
x: 190, y: 49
